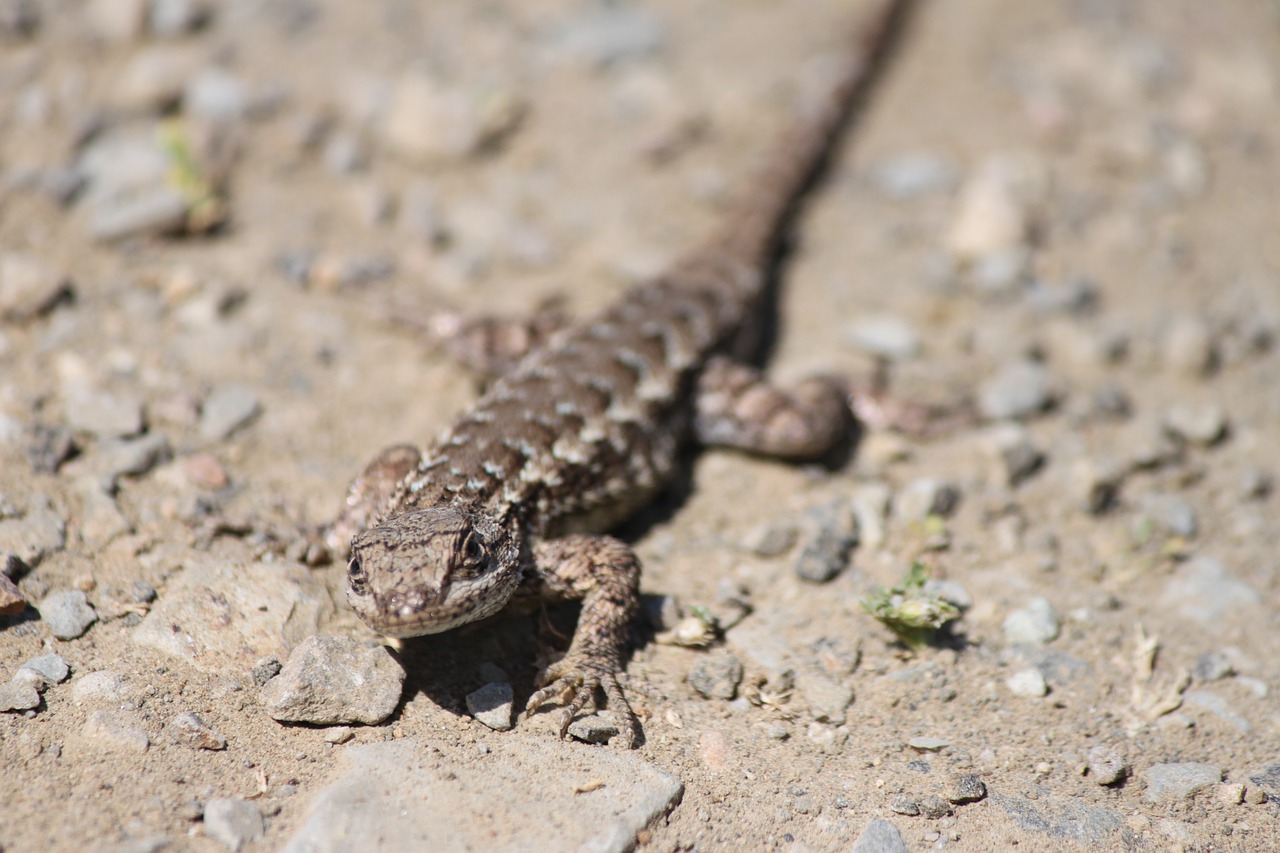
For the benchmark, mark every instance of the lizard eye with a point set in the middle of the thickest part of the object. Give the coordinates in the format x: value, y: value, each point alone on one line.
x: 473, y: 549
x: 357, y: 578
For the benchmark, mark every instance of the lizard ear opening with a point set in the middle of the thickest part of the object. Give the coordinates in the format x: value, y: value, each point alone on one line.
x: 357, y: 578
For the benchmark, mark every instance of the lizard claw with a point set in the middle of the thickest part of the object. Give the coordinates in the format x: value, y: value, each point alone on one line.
x: 575, y: 684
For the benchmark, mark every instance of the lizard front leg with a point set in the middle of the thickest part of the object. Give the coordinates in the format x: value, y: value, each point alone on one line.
x: 604, y: 574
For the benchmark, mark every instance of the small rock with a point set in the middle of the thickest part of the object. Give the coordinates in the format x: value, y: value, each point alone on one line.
x: 1205, y: 591
x: 338, y: 735
x: 595, y: 728
x: 116, y: 730
x: 1000, y: 272
x: 116, y: 20
x: 39, y: 531
x: 215, y: 95
x: 429, y: 122
x: 44, y: 671
x: 233, y: 821
x: 832, y: 533
x: 905, y: 805
x: 1189, y: 347
x: 154, y: 210
x: 1019, y: 390
x: 609, y: 34
x: 67, y: 613
x: 205, y: 471
x: 1014, y: 448
x: 1172, y: 783
x: 1107, y: 766
x: 1027, y: 683
x: 1204, y: 425
x: 887, y: 337
x: 923, y: 743
x: 990, y: 217
x: 18, y: 696
x: 1255, y: 484
x: 344, y: 154
x: 912, y: 174
x: 1034, y: 625
x: 132, y: 457
x: 1111, y: 401
x: 1231, y: 794
x: 330, y: 680
x: 98, y: 687
x: 1171, y: 513
x: 187, y: 729
x: 828, y: 699
x: 871, y: 511
x: 1212, y: 666
x: 173, y: 18
x: 266, y: 669
x: 716, y: 677
x: 153, y: 79
x: 11, y: 598
x: 103, y: 414
x: 1096, y: 484
x: 19, y: 18
x: 491, y: 705
x: 49, y: 447
x: 771, y: 540
x: 934, y: 807
x: 29, y: 287
x: 1075, y: 295
x: 226, y: 410
x: 924, y: 497
x: 967, y: 788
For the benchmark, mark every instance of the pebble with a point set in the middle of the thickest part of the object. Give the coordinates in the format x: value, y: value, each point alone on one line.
x: 1096, y: 484
x: 154, y: 78
x: 419, y: 217
x: 428, y: 122
x: 1202, y: 424
x: 831, y: 534
x: 1203, y: 590
x: 187, y: 729
x: 132, y: 457
x: 330, y: 680
x: 1173, y: 783
x: 1212, y: 666
x: 156, y: 210
x: 967, y: 788
x: 266, y: 669
x: 989, y: 217
x: 67, y: 613
x: 18, y: 696
x: 879, y: 836
x: 594, y: 728
x: 104, y: 414
x: 29, y: 287
x: 870, y: 505
x: 43, y: 671
x: 934, y: 807
x: 1148, y: 446
x: 492, y: 705
x: 999, y: 272
x: 11, y: 598
x: 1034, y: 625
x: 1027, y: 683
x: 607, y: 35
x: 1255, y: 484
x: 1107, y: 766
x: 886, y: 336
x: 1015, y: 450
x: 1171, y: 512
x: 215, y: 95
x: 905, y: 805
x: 98, y: 687
x: 828, y: 699
x: 338, y: 735
x: 1018, y: 390
x: 771, y: 540
x: 116, y: 730
x: 924, y: 497
x: 912, y: 174
x: 1075, y: 295
x: 1189, y: 347
x: 233, y: 821
x: 174, y: 18
x: 226, y: 410
x: 205, y: 471
x: 716, y: 676
x: 344, y: 154
x: 923, y: 743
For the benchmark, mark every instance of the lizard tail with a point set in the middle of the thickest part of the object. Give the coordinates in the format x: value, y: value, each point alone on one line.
x: 758, y: 219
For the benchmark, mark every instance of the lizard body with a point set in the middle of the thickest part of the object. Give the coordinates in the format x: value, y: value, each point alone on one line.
x: 513, y: 499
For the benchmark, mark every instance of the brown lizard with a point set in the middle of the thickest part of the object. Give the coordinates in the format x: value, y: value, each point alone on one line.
x: 513, y: 501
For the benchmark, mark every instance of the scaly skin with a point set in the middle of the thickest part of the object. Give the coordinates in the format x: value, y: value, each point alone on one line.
x: 588, y: 427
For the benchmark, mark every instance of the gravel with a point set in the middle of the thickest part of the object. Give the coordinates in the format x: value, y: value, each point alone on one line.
x: 329, y: 680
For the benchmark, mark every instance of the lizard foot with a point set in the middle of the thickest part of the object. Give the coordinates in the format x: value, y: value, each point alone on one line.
x: 575, y: 682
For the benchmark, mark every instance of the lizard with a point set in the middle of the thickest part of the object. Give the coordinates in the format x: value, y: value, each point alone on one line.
x: 515, y: 500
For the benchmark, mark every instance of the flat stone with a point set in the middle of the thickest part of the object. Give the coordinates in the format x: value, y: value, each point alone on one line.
x: 1202, y: 589
x: 1027, y: 683
x: 1035, y: 625
x: 44, y: 671
x: 67, y: 613
x: 716, y: 676
x: 18, y: 696
x: 924, y: 497
x: 101, y: 687
x: 233, y: 821
x: 132, y: 457
x: 828, y: 699
x: 104, y: 414
x: 1202, y: 424
x: 595, y: 728
x: 525, y: 794
x: 1062, y: 817
x: 1018, y: 390
x: 1172, y: 783
x: 187, y: 729
x: 226, y: 410
x: 492, y: 705
x: 223, y: 617
x: 151, y: 210
x: 116, y: 730
x: 330, y: 680
x: 880, y: 836
x: 29, y: 287
x: 885, y: 336
x: 831, y: 532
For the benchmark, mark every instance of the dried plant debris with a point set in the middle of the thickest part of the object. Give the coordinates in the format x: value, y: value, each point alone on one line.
x: 912, y: 614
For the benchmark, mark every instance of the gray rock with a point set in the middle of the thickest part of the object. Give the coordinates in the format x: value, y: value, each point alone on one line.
x: 967, y: 788
x: 67, y: 613
x: 830, y: 536
x: 1202, y: 424
x: 345, y: 154
x: 226, y: 410
x: 1189, y: 346
x: 1016, y: 452
x: 154, y: 78
x: 215, y: 95
x: 49, y: 447
x: 924, y: 497
x: 40, y: 531
x: 100, y: 518
x: 595, y: 728
x: 828, y: 699
x: 1255, y: 484
x: 1027, y: 683
x: 934, y: 807
x: 116, y: 730
x: 18, y: 696
x: 1074, y: 295
x: 716, y: 676
x: 887, y: 337
x: 266, y: 669
x: 492, y: 705
x: 879, y: 836
x: 1203, y: 590
x: 1019, y: 390
x: 609, y: 34
x: 1171, y: 512
x: 132, y: 457
x: 428, y: 121
x: 104, y: 414
x: 233, y: 822
x: 187, y: 729
x: 1034, y: 625
x: 1212, y: 666
x: 154, y: 210
x: 924, y: 743
x: 1219, y: 707
x: 1107, y: 765
x: 1064, y: 817
x: 1001, y: 271
x: 1268, y: 780
x: 330, y: 680
x: 43, y: 671
x: 101, y: 687
x: 396, y: 796
x: 905, y: 805
x: 29, y: 287
x: 771, y: 540
x: 911, y: 174
x: 1095, y: 484
x: 1173, y: 783
x: 173, y: 18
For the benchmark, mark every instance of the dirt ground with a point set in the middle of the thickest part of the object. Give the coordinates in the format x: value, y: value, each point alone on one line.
x: 1064, y: 210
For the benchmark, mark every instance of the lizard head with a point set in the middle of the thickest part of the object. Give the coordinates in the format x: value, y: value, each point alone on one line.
x: 429, y: 570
